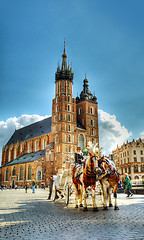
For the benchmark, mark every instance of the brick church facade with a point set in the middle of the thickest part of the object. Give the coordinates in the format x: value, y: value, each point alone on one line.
x: 40, y: 149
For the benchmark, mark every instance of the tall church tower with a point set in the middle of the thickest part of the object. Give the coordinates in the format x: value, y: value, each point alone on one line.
x: 63, y: 113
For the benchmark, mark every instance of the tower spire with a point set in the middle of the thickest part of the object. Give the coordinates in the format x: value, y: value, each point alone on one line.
x: 64, y: 56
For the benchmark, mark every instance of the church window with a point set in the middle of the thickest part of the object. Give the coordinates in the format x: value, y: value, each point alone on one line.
x: 69, y: 138
x: 14, y: 171
x: 15, y: 152
x: 29, y: 172
x: 68, y: 108
x: 80, y: 111
x: 36, y: 146
x: 92, y: 132
x: 91, y: 110
x: 57, y: 108
x: 59, y: 139
x: 65, y: 137
x: 69, y: 128
x: 29, y: 147
x: 68, y: 98
x: 72, y: 118
x: 6, y: 175
x: 44, y: 143
x: 91, y: 122
x: 21, y: 173
x: 141, y: 152
x: 65, y: 117
x: 9, y: 155
x: 69, y: 118
x: 65, y: 127
x: 68, y: 87
x: 69, y: 148
x: 63, y: 86
x: 66, y: 148
x: 56, y: 139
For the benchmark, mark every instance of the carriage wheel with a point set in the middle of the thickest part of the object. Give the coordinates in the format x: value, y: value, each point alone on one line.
x: 67, y: 194
x: 53, y: 195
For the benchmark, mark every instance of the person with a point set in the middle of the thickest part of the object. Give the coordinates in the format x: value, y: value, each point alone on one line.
x: 79, y: 159
x: 26, y: 187
x: 123, y: 183
x: 50, y: 187
x: 128, y: 185
x: 33, y: 186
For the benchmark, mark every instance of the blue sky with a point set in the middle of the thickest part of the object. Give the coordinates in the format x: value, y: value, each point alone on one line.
x: 104, y: 39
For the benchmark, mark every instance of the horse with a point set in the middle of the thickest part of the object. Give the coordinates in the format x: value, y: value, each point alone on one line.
x: 108, y: 179
x: 77, y: 173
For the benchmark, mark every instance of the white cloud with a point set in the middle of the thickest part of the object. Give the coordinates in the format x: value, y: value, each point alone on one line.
x: 111, y: 132
x: 8, y: 127
x: 142, y: 135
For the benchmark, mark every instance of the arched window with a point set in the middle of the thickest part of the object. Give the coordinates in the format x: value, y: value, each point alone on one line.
x: 29, y: 147
x: 36, y: 146
x: 69, y: 128
x: 68, y: 98
x: 91, y: 110
x: 38, y: 175
x: 68, y: 108
x: 69, y: 138
x: 80, y: 111
x: 6, y: 175
x: 29, y: 172
x: 21, y: 173
x: 69, y: 118
x: 14, y: 171
x: 136, y: 177
x: 63, y: 85
x: 44, y: 143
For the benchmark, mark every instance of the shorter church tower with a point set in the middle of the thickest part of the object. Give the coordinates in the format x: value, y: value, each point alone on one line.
x: 87, y: 113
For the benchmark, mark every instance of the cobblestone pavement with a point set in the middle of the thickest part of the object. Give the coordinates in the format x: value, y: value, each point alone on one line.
x: 32, y: 216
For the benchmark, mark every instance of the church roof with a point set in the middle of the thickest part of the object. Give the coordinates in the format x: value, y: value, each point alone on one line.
x: 29, y: 157
x: 31, y: 131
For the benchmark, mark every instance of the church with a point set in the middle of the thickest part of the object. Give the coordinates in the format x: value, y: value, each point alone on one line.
x: 38, y: 150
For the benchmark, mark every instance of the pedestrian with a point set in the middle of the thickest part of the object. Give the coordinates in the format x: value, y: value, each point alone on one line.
x: 33, y: 186
x: 123, y: 183
x: 128, y: 185
x: 50, y: 187
x: 26, y: 187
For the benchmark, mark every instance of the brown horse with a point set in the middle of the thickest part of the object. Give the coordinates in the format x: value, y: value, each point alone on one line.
x: 109, y: 180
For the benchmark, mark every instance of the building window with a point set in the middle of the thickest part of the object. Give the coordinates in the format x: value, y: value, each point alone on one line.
x: 141, y: 152
x: 134, y: 152
x: 69, y: 138
x: 14, y: 171
x: 91, y: 122
x: 142, y: 160
x: 129, y: 170
x: 21, y: 173
x: 69, y: 128
x: 69, y: 148
x: 91, y: 110
x: 36, y: 146
x: 68, y: 98
x: 68, y: 108
x: 135, y: 159
x: 15, y: 152
x: 39, y: 175
x: 6, y: 175
x: 135, y: 168
x: 92, y: 132
x: 65, y: 138
x: 29, y: 172
x: 80, y: 111
x: 29, y: 147
x: 69, y: 118
x: 142, y: 168
x: 44, y: 143
x: 72, y: 118
x: 63, y: 86
x: 125, y: 170
x: 57, y: 108
x: 56, y: 139
x: 66, y: 148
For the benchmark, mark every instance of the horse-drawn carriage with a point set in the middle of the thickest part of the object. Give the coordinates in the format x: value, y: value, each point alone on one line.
x: 78, y: 178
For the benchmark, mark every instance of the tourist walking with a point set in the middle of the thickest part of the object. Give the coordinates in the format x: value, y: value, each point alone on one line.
x: 128, y: 185
x: 33, y: 186
x: 50, y: 187
x: 26, y: 187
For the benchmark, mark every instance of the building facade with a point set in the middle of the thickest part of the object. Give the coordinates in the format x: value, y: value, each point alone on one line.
x: 40, y: 149
x: 129, y: 158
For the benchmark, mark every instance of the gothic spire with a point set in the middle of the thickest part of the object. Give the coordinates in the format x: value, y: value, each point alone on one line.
x: 64, y: 56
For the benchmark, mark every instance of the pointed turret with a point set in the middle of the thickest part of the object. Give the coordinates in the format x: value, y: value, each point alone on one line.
x: 65, y: 73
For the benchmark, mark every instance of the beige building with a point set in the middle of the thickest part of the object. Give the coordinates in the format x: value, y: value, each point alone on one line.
x: 129, y: 158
